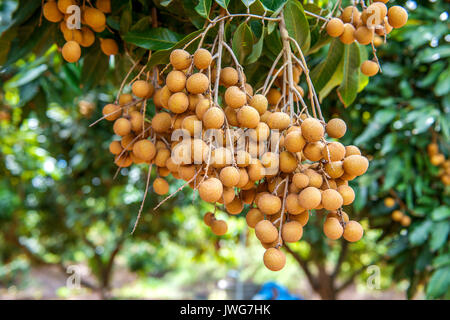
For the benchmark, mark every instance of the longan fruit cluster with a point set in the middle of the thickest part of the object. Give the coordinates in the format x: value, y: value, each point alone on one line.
x: 243, y: 150
x: 366, y: 27
x: 93, y: 20
x: 438, y: 159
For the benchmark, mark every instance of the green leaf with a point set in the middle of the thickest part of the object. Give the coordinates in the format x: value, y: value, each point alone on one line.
x: 443, y: 84
x: 439, y: 283
x: 297, y: 24
x: 242, y: 42
x: 323, y: 72
x: 203, y: 8
x: 153, y: 39
x: 95, y: 63
x: 248, y: 3
x: 257, y: 48
x: 375, y: 127
x: 440, y: 213
x: 273, y: 5
x: 126, y: 20
x: 420, y: 233
x: 348, y: 89
x: 223, y: 3
x: 439, y: 235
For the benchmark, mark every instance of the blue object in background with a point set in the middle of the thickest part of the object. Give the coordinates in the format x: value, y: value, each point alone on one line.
x: 274, y: 291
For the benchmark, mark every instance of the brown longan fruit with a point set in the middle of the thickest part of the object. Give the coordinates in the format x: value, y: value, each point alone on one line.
x: 235, y: 207
x: 109, y: 47
x: 336, y: 128
x: 335, y: 27
x: 180, y: 59
x: 313, y: 151
x: 355, y: 165
x: 397, y: 16
x: 288, y: 162
x: 256, y: 171
x: 186, y: 172
x: 197, y: 83
x: 231, y: 115
x: 122, y: 127
x: 273, y: 96
x: 213, y: 118
x: 160, y: 186
x: 334, y: 169
x: 261, y: 132
x: 94, y: 17
x: 301, y: 218
x: 161, y: 122
x: 125, y: 98
x: 331, y: 199
x: 334, y: 214
x: 243, y: 178
x: 202, y: 58
x: 300, y: 180
x: 161, y: 97
x: 369, y: 68
x: 332, y: 229
x: 115, y: 147
x: 141, y: 89
x: 351, y: 14
x: 334, y: 151
x: 243, y: 158
x: 124, y: 161
x: 292, y: 231
x: 176, y: 81
x: 292, y: 204
x: 260, y: 103
x: 309, y: 198
x: 274, y: 259
x: 364, y: 35
x: 312, y: 130
x: 221, y: 157
x: 389, y: 202
x: 279, y: 121
x: 87, y: 37
x: 229, y: 76
x: 178, y: 102
x: 227, y: 196
x: 248, y: 196
x: 235, y: 97
x: 209, y: 218
x: 229, y: 176
x: 265, y: 231
x: 71, y: 51
x: 352, y: 150
x: 161, y: 157
x: 269, y: 204
x: 253, y: 217
x: 104, y: 5
x: 64, y: 4
x: 111, y: 112
x: 405, y: 221
x: 248, y: 117
x: 347, y: 37
x: 397, y: 215
x: 353, y: 231
x: 432, y: 149
x: 437, y: 159
x: 51, y: 12
x: 294, y: 141
x: 144, y: 149
x: 347, y: 193
x: 219, y: 227
x: 202, y: 106
x: 211, y: 190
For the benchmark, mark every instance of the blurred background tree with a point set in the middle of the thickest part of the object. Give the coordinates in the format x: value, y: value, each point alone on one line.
x: 59, y: 203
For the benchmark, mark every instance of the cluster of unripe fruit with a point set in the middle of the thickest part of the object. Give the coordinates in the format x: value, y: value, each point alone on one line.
x: 363, y: 26
x: 397, y: 215
x: 438, y: 159
x: 93, y: 20
x: 242, y: 150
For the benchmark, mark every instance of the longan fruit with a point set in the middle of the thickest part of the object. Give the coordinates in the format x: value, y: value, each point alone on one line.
x: 389, y: 202
x: 261, y: 132
x: 406, y: 221
x: 331, y: 199
x: 161, y: 122
x: 180, y: 59
x: 229, y: 76
x: 292, y: 231
x: 334, y: 169
x: 243, y: 158
x: 437, y: 159
x: 111, y: 112
x: 191, y: 124
x: 122, y: 127
x: 294, y: 141
x: 265, y: 231
x: 109, y: 47
x: 386, y: 28
x: 194, y: 100
x: 161, y: 157
x: 136, y: 120
x: 332, y: 229
x: 115, y: 147
x: 71, y: 51
x: 231, y: 115
x: 347, y: 193
x: 178, y: 102
x: 123, y: 162
x: 279, y: 121
x: 254, y: 216
x: 334, y: 214
x: 176, y: 81
x: 248, y: 196
x: 292, y: 204
x: 352, y: 150
x: 211, y: 190
x: 243, y: 178
x: 64, y: 4
x: 432, y: 149
x: 336, y: 128
x: 351, y: 14
x: 161, y: 97
x: 356, y: 165
x: 160, y: 186
x: 94, y: 17
x: 369, y: 68
x: 312, y: 130
x: 256, y: 171
x: 300, y: 180
x: 302, y: 218
x: 235, y: 207
x: 269, y: 204
x: 186, y: 172
x: 274, y: 259
x: 347, y: 37
x: 202, y: 58
x: 335, y: 27
x: 270, y: 160
x: 288, y: 162
x: 51, y: 12
x: 219, y: 227
x: 197, y: 83
x: 309, y: 198
x: 248, y: 117
x: 397, y: 16
x: 334, y: 151
x: 209, y: 218
x: 313, y: 151
x: 104, y: 5
x: 364, y: 35
x: 353, y: 231
x: 235, y: 97
x: 125, y: 98
x: 213, y: 118
x: 141, y: 89
x: 260, y: 103
x: 397, y: 215
x: 227, y: 196
x: 88, y: 37
x: 229, y: 176
x: 221, y: 157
